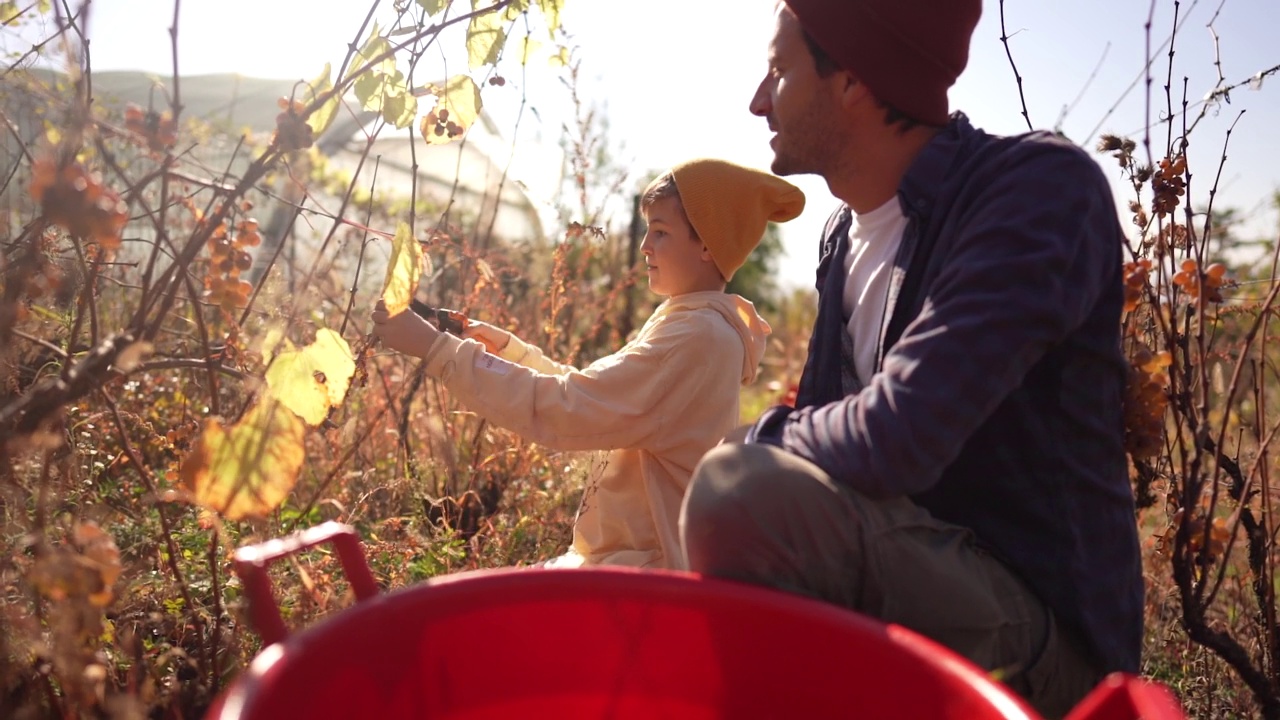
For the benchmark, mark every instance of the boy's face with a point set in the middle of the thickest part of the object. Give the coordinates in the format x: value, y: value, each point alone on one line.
x: 677, y: 262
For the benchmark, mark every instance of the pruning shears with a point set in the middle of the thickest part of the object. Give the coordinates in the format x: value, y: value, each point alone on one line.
x: 450, y: 321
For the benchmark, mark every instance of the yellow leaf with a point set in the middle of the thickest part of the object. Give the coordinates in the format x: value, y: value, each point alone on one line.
x: 461, y: 97
x: 312, y: 380
x: 273, y: 341
x: 486, y: 34
x: 528, y: 47
x: 516, y: 9
x: 403, y: 271
x: 560, y: 59
x: 324, y: 115
x: 551, y: 11
x: 433, y: 7
x: 248, y: 469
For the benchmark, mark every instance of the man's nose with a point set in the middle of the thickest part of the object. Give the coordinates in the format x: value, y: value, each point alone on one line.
x: 760, y: 105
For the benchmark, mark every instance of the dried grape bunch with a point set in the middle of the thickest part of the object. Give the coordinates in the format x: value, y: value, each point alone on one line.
x: 1199, y: 286
x: 158, y: 129
x: 74, y: 198
x: 292, y: 132
x: 227, y: 259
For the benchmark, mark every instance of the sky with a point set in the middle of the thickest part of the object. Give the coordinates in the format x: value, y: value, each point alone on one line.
x: 674, y: 77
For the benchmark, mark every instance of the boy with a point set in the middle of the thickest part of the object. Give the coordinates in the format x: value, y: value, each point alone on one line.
x: 665, y: 398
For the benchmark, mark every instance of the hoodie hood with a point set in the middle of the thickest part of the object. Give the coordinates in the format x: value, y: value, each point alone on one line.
x: 738, y: 312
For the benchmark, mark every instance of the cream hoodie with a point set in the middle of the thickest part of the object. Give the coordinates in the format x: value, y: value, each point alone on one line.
x: 659, y: 404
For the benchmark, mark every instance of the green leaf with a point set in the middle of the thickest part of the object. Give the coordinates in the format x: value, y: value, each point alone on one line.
x: 461, y: 97
x: 486, y: 34
x: 404, y: 269
x: 324, y: 115
x: 250, y: 468
x: 433, y: 7
x: 314, y: 379
x: 399, y: 107
x: 382, y: 87
x: 366, y: 88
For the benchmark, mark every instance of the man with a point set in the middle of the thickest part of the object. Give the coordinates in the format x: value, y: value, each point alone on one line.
x: 955, y: 460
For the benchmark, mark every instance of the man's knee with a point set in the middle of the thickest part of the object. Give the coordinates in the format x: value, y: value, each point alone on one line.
x: 729, y: 479
x: 753, y: 498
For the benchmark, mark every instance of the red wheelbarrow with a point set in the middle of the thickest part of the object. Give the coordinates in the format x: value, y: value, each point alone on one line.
x: 616, y: 643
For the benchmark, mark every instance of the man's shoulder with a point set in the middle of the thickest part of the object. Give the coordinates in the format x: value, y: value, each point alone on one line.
x: 1032, y: 150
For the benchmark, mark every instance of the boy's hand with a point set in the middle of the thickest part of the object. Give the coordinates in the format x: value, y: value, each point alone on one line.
x: 493, y: 339
x: 405, y: 332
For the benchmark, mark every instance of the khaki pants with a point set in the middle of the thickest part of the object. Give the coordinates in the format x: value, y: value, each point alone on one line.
x: 758, y: 514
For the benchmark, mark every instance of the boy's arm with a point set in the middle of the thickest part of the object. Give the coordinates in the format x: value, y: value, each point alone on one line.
x: 531, y: 356
x: 506, y: 345
x: 1026, y: 269
x: 622, y: 400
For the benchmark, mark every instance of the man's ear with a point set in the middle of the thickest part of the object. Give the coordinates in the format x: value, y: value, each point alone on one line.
x: 852, y: 91
x: 706, y: 254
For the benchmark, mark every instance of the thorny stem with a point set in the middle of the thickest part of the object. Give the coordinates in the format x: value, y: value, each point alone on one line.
x: 511, y: 153
x: 364, y: 243
x: 1004, y: 38
x: 1144, y: 73
x: 275, y: 256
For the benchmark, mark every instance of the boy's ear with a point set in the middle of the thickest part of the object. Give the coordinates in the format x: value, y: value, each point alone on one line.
x: 706, y: 254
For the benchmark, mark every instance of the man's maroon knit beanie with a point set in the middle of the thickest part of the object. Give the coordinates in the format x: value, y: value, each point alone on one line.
x: 908, y: 52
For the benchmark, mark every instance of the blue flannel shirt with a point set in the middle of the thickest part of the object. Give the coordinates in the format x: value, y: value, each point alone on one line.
x: 997, y: 405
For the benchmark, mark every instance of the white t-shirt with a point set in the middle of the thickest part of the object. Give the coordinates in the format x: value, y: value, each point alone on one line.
x: 874, y: 238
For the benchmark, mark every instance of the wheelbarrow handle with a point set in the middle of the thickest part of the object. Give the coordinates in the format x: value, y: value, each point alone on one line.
x: 251, y: 563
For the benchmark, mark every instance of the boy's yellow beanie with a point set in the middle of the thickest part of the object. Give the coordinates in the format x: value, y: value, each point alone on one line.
x: 729, y: 205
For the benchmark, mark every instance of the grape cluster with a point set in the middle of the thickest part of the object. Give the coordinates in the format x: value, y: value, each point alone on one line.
x: 1135, y: 282
x: 227, y: 259
x: 1168, y: 185
x: 497, y: 80
x: 292, y: 132
x: 158, y: 129
x: 440, y: 124
x: 1145, y: 402
x: 74, y: 198
x: 1201, y: 286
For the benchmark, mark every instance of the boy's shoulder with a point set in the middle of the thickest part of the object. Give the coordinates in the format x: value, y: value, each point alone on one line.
x: 701, y: 317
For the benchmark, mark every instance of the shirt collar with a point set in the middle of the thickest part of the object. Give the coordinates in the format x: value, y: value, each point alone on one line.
x: 919, y: 187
